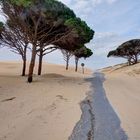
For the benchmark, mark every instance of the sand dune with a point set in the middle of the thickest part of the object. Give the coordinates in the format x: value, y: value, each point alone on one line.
x: 49, y: 107
x: 46, y: 109
x: 122, y: 87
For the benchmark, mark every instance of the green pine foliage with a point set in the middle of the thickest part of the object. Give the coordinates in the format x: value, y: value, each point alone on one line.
x: 81, y: 28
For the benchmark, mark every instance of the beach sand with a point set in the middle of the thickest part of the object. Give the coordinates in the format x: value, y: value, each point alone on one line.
x: 46, y: 109
x: 122, y: 86
x: 51, y: 108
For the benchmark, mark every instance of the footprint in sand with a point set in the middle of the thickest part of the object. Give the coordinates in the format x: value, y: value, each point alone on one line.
x: 61, y: 97
x: 54, y: 105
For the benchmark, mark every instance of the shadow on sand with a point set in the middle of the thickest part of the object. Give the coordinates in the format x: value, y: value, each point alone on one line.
x: 98, y: 120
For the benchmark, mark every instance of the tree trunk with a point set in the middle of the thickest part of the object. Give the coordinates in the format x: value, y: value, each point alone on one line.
x: 40, y: 62
x: 24, y: 61
x: 67, y: 63
x: 129, y: 61
x: 24, y: 67
x: 76, y: 63
x: 83, y: 70
x: 136, y: 59
x: 32, y: 64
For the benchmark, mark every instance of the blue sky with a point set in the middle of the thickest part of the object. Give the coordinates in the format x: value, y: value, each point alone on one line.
x: 114, y: 22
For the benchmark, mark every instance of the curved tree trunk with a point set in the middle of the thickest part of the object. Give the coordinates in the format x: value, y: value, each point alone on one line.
x: 32, y: 64
x: 76, y: 63
x: 24, y: 67
x: 40, y: 62
x: 24, y: 61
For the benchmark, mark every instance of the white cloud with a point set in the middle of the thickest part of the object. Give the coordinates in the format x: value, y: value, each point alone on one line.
x: 85, y: 8
x: 111, y: 1
x: 103, y: 42
x: 67, y: 2
x: 102, y: 35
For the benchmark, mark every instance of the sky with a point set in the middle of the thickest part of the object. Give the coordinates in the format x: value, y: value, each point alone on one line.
x: 114, y: 22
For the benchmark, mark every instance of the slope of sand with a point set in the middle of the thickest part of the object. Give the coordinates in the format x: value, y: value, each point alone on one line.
x: 47, y: 109
x: 122, y: 85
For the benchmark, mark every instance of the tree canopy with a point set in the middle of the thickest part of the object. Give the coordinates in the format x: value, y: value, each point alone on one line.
x: 84, y: 32
x: 83, y: 52
x: 45, y: 22
x: 129, y: 50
